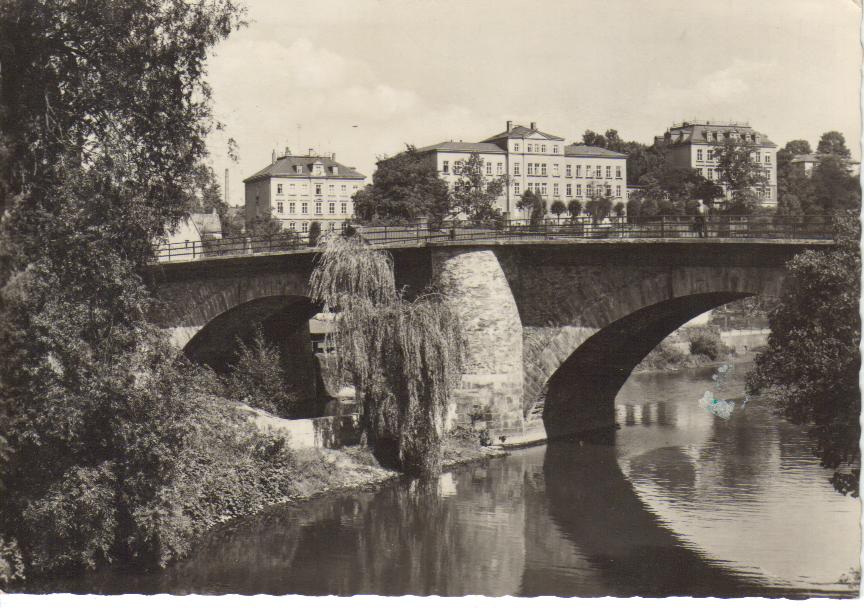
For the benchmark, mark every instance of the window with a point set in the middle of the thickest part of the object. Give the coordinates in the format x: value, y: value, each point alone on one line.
x: 618, y: 172
x: 304, y: 226
x: 587, y: 170
x: 488, y: 168
x: 355, y: 186
x: 578, y: 170
x: 555, y: 188
x: 457, y: 167
x: 767, y: 159
x: 608, y: 171
x: 555, y: 170
x: 578, y: 189
x: 344, y: 188
x: 530, y: 148
x: 515, y: 168
x: 516, y: 188
x: 446, y: 167
x: 543, y: 169
x: 317, y: 188
x: 710, y: 173
x: 515, y: 147
x: 344, y: 208
x: 500, y: 168
x: 291, y: 187
x: 608, y: 190
x: 332, y: 226
x: 332, y: 208
x: 291, y: 225
x: 304, y: 209
x: 598, y: 172
x: 589, y: 190
x: 279, y: 206
x: 569, y: 170
x: 529, y: 168
x: 710, y: 154
x: 543, y: 188
x: 543, y: 149
x: 278, y: 188
x: 617, y: 191
x: 292, y: 207
x: 318, y: 208
x: 755, y: 156
x: 699, y: 155
x: 569, y: 189
x: 554, y: 149
x: 332, y: 189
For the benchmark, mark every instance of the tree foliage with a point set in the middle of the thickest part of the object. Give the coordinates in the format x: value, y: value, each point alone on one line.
x: 558, y: 207
x: 834, y: 143
x: 599, y: 208
x: 404, y: 188
x: 535, y: 205
x: 574, y: 207
x: 811, y: 366
x: 404, y: 357
x: 741, y: 173
x: 474, y: 193
x: 103, y: 117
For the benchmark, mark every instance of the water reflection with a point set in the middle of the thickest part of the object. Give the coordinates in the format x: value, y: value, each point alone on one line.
x: 682, y: 503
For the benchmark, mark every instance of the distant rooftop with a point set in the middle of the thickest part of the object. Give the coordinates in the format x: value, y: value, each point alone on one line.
x: 591, y: 151
x: 463, y: 146
x: 287, y: 166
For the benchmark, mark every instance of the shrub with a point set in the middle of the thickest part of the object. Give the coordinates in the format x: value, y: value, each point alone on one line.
x: 258, y: 377
x: 707, y: 343
x: 314, y: 233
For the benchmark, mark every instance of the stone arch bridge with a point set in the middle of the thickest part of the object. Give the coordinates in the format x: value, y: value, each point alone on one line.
x: 553, y: 328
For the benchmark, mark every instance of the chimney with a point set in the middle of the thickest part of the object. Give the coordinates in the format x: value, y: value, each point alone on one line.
x: 333, y: 157
x: 533, y: 126
x: 273, y: 157
x: 287, y: 151
x: 311, y: 152
x: 226, y: 187
x: 509, y: 125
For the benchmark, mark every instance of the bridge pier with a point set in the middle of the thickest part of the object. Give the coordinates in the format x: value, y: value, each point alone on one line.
x: 492, y: 383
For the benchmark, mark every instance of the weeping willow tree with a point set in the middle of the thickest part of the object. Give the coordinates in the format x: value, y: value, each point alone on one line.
x: 404, y: 357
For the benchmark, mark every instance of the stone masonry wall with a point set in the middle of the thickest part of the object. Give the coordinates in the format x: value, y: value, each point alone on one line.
x: 491, y: 388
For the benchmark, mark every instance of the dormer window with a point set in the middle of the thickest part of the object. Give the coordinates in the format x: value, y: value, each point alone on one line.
x: 334, y: 170
x: 318, y: 168
x: 298, y: 168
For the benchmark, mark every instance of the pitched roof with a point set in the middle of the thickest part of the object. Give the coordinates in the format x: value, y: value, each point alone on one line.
x: 580, y: 150
x: 817, y: 157
x: 285, y: 167
x: 207, y: 223
x: 463, y: 146
x: 696, y: 133
x: 520, y: 131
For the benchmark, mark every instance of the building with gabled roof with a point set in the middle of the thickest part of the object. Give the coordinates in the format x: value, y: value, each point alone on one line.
x: 535, y: 160
x: 300, y: 189
x: 691, y: 145
x: 805, y: 163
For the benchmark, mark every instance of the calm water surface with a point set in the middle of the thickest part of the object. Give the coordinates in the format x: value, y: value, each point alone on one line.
x: 680, y: 502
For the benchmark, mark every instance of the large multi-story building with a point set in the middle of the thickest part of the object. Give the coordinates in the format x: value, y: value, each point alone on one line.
x: 691, y: 145
x: 538, y: 161
x: 297, y: 190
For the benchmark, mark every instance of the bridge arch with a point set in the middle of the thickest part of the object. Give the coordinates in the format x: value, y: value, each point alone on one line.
x: 576, y: 363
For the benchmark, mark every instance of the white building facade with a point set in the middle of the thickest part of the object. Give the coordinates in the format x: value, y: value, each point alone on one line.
x: 534, y: 160
x: 298, y: 190
x: 691, y: 145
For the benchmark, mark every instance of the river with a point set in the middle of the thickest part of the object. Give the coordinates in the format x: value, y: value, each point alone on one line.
x: 679, y: 502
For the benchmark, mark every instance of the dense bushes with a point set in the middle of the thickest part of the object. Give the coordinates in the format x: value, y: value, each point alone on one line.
x: 706, y: 342
x: 258, y: 377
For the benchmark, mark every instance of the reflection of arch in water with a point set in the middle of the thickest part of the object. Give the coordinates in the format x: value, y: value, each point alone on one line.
x: 581, y: 393
x: 596, y: 508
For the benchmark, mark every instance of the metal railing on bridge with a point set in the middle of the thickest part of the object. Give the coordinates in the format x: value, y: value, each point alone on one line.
x: 574, y: 229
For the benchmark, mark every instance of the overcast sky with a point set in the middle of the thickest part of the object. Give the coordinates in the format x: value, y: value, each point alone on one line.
x: 362, y: 78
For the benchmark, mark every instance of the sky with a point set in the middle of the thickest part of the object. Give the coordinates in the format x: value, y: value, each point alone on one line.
x: 362, y: 78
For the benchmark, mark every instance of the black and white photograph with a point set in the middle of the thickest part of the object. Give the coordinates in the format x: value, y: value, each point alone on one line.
x: 437, y: 298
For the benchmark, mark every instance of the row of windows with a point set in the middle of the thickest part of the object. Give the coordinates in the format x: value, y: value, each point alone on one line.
x: 754, y: 155
x: 304, y: 208
x: 540, y: 148
x: 319, y: 188
x: 711, y: 173
x: 304, y: 226
x: 541, y: 188
x: 539, y: 169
